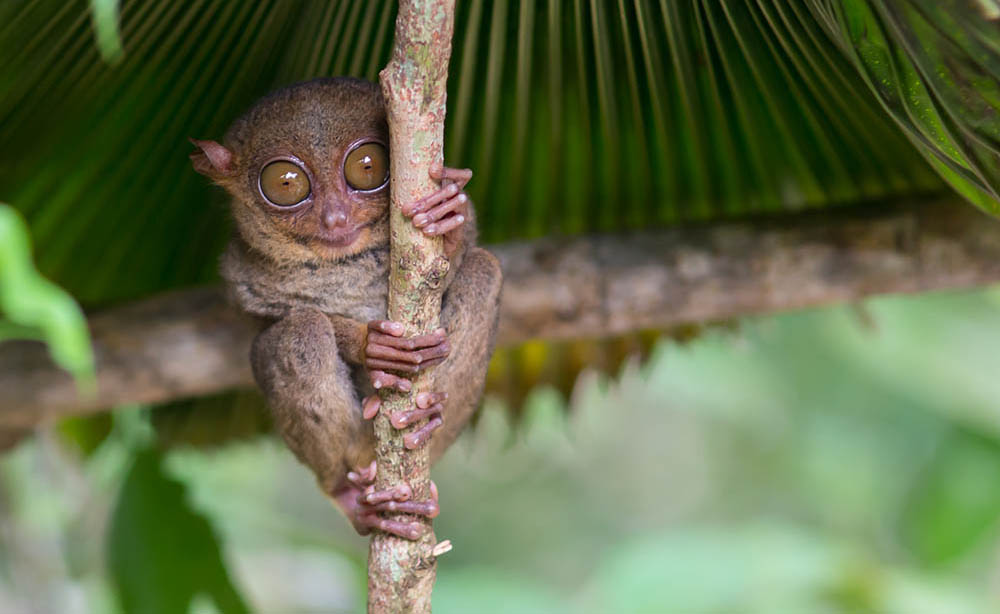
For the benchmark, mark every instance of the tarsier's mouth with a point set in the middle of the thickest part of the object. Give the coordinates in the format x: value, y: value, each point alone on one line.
x: 337, y: 240
x: 341, y: 238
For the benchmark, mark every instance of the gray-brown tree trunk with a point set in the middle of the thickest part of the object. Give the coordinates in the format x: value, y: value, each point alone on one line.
x: 401, y: 572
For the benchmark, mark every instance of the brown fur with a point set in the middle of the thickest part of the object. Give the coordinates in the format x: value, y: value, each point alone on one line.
x: 317, y: 296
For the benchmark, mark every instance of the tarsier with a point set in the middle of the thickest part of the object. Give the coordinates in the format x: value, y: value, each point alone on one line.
x: 307, y: 168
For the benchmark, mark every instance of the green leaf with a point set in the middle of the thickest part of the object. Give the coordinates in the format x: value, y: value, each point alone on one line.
x: 162, y: 553
x: 33, y: 307
x: 956, y: 502
x: 935, y: 68
x: 104, y: 14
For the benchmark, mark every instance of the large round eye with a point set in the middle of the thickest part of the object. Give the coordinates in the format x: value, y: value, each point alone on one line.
x: 284, y: 183
x: 367, y: 167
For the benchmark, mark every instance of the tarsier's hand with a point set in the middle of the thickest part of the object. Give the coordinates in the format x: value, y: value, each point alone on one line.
x: 443, y: 212
x: 389, y: 357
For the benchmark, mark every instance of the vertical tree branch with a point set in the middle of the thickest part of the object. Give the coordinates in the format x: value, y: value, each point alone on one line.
x: 401, y: 572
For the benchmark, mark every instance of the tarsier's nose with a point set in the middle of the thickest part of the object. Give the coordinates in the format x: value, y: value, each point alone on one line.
x: 334, y: 218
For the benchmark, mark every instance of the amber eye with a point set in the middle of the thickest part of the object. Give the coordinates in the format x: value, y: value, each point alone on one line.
x: 284, y: 183
x: 367, y: 167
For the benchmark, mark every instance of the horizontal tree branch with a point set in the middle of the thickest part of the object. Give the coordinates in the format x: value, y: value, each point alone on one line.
x: 190, y: 343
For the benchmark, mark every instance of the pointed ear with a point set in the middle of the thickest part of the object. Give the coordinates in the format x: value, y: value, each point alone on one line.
x: 212, y: 159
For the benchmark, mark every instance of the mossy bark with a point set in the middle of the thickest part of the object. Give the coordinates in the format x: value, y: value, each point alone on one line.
x: 401, y: 572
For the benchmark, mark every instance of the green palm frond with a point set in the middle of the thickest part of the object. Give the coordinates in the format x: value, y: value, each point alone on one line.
x: 577, y: 115
x: 934, y: 65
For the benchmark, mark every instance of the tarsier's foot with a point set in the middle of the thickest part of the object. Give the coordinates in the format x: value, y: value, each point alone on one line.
x: 444, y: 211
x: 363, y: 505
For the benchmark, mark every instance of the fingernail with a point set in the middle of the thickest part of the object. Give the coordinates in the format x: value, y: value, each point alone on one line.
x: 462, y: 198
x: 440, y: 331
x: 393, y: 327
x: 405, y: 385
x: 377, y: 384
x: 419, y: 220
x: 422, y: 399
x: 460, y: 218
x: 431, y: 229
x: 453, y: 188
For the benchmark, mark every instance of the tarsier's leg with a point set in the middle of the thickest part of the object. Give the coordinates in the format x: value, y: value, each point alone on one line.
x: 308, y: 385
x: 296, y: 364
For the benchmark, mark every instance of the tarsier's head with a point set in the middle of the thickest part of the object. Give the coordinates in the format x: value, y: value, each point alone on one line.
x: 308, y: 169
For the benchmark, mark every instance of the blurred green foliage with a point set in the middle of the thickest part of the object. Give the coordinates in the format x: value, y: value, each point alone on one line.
x: 34, y: 308
x: 957, y: 500
x: 843, y: 460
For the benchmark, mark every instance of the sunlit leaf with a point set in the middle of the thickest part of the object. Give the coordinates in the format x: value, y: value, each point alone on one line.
x: 935, y: 67
x: 33, y: 307
x: 105, y: 18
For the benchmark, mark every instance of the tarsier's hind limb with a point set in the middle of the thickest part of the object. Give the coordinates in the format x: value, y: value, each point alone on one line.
x: 312, y: 396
